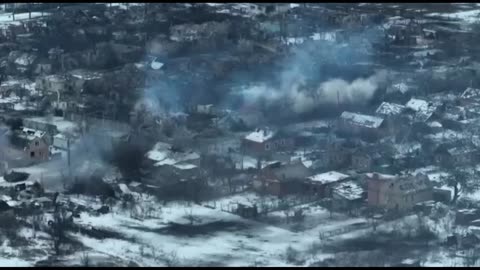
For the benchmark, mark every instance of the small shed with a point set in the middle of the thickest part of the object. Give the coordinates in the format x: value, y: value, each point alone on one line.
x: 321, y: 184
x: 348, y: 195
x: 246, y: 211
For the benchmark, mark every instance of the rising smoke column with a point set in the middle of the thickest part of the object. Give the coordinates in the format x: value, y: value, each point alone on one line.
x: 313, y: 60
x: 300, y: 99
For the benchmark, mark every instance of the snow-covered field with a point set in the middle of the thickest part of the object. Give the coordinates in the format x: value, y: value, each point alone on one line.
x: 216, y: 238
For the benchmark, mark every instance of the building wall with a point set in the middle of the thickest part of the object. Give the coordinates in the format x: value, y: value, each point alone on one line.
x: 273, y: 187
x: 280, y: 144
x: 346, y: 127
x: 460, y: 159
x: 50, y: 85
x: 60, y: 142
x: 361, y: 162
x: 386, y: 193
x: 338, y: 157
x: 376, y: 192
x: 38, y: 150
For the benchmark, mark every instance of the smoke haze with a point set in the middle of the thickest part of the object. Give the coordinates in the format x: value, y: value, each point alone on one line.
x: 301, y: 99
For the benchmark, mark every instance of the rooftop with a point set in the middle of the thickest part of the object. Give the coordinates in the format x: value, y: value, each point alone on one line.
x: 349, y: 190
x: 162, y: 155
x: 471, y: 93
x: 293, y: 170
x: 381, y: 176
x: 417, y: 104
x: 55, y: 78
x: 30, y: 134
x: 424, y: 110
x: 328, y: 177
x: 387, y: 108
x: 61, y: 124
x: 260, y: 135
x: 85, y: 74
x: 362, y: 120
x: 185, y: 166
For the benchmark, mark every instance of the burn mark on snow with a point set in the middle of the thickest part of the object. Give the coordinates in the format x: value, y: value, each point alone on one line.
x: 188, y: 230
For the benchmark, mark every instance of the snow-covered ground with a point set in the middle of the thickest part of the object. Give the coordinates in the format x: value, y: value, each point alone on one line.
x: 231, y: 240
x: 49, y: 176
x: 469, y: 16
x: 124, y: 5
x: 7, y: 18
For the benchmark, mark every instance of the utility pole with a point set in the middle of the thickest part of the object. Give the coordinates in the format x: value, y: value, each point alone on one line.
x: 68, y: 156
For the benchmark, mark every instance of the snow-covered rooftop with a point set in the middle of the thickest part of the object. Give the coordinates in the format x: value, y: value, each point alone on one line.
x: 61, y: 124
x: 156, y: 65
x: 328, y: 177
x: 25, y: 59
x: 471, y: 93
x: 381, y: 176
x: 85, y: 74
x: 417, y: 104
x: 349, y: 190
x: 260, y: 135
x: 31, y: 134
x: 124, y: 188
x: 387, y: 108
x: 326, y: 36
x: 424, y: 110
x: 362, y: 119
x: 293, y: 40
x: 162, y: 154
x: 55, y: 78
x: 7, y: 18
x: 184, y: 166
x: 434, y: 124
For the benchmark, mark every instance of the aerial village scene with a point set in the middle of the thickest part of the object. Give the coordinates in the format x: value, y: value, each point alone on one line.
x: 239, y: 134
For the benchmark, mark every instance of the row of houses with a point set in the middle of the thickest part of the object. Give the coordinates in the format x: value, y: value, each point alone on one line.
x: 367, y: 146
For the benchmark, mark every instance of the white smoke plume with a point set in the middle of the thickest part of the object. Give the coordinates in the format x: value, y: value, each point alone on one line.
x: 358, y: 91
x: 300, y: 99
x: 260, y: 93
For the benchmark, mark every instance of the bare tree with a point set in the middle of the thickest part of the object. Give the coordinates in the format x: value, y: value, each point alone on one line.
x: 111, y: 203
x: 189, y: 215
x: 36, y: 220
x: 9, y: 224
x: 286, y: 212
x: 171, y: 259
x: 462, y: 182
x: 85, y: 259
x: 291, y: 255
x: 471, y: 257
x: 58, y: 226
x: 313, y: 249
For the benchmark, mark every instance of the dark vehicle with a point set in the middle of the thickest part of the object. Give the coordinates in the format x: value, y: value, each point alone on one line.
x: 14, y: 177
